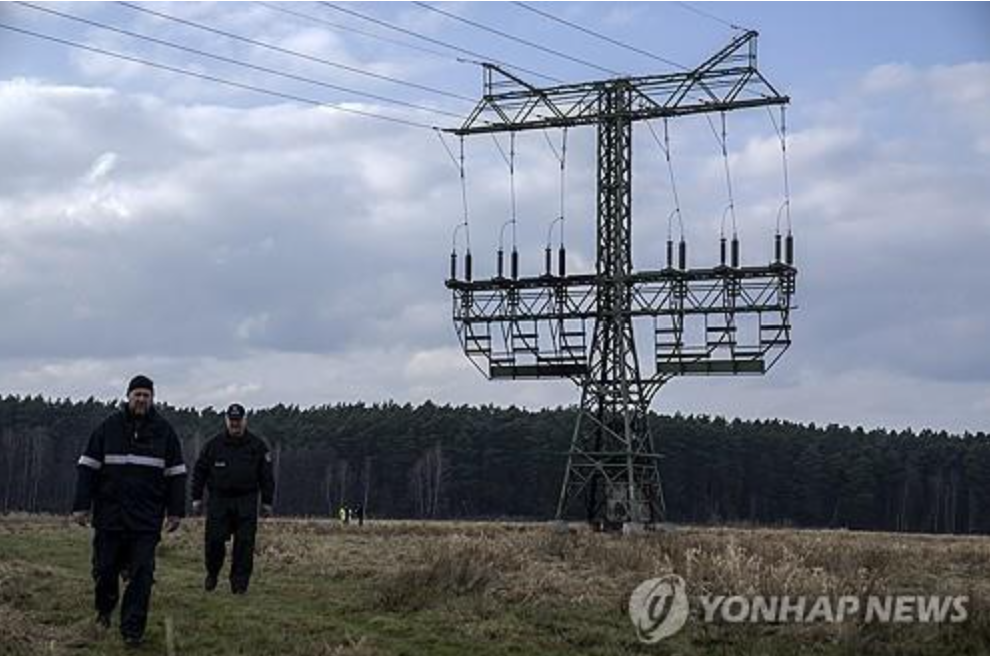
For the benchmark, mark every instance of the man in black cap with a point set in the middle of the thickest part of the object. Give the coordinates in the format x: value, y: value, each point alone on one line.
x: 236, y: 468
x: 131, y: 479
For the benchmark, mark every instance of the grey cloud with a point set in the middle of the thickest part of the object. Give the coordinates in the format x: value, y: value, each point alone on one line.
x: 287, y: 254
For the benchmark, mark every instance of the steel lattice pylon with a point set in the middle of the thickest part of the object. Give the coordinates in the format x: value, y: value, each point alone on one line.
x: 725, y: 320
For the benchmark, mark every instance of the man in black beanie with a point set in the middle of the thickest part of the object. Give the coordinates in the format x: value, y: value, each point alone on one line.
x: 131, y: 479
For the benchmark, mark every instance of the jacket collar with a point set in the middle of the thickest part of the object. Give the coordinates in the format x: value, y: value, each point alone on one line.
x: 227, y: 437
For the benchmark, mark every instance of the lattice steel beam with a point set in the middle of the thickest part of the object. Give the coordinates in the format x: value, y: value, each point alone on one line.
x: 540, y: 327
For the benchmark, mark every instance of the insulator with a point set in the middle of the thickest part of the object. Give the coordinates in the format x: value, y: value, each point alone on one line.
x: 735, y: 252
x: 682, y: 255
x: 776, y: 248
x: 548, y: 260
x: 722, y: 250
x: 515, y: 264
x: 670, y: 253
x: 500, y: 267
x: 790, y: 250
x: 561, y: 262
x: 453, y: 265
x: 467, y: 266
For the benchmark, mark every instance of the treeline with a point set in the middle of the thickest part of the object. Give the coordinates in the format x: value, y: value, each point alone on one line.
x: 433, y: 461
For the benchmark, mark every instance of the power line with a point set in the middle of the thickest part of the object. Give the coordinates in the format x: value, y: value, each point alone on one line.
x: 355, y: 30
x: 709, y: 15
x: 212, y: 78
x: 598, y: 35
x: 512, y: 37
x: 237, y: 62
x: 293, y: 53
x: 428, y: 39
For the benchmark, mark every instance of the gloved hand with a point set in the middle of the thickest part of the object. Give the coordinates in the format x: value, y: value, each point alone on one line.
x: 172, y: 524
x: 81, y: 517
x: 197, y: 506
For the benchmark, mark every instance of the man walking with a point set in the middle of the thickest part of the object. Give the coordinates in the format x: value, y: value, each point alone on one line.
x: 131, y: 479
x: 236, y: 468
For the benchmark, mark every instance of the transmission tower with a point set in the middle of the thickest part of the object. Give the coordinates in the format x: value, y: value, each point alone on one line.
x: 724, y: 320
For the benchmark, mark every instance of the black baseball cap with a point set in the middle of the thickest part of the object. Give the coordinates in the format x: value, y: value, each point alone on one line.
x: 236, y: 411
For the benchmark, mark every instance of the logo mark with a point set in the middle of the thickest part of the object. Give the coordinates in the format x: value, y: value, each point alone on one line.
x: 658, y: 608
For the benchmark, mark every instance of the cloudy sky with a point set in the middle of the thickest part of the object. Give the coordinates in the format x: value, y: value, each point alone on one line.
x: 241, y: 246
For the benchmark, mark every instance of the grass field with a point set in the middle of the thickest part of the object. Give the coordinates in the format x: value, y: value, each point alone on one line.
x: 487, y: 588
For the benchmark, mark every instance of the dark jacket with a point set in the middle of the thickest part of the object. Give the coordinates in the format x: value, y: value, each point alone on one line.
x: 132, y: 473
x: 231, y: 467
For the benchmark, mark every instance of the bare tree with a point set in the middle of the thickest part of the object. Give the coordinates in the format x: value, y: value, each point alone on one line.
x: 366, y: 475
x: 278, y: 471
x: 426, y: 481
x: 8, y: 445
x: 328, y: 487
x: 342, y: 469
x: 38, y: 439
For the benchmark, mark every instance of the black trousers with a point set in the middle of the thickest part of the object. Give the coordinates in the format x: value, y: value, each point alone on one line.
x: 237, y: 518
x: 131, y: 553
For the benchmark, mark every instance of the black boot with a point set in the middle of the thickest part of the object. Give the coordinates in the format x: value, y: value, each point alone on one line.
x: 210, y: 584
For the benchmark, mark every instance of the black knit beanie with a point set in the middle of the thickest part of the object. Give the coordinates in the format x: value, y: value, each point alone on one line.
x: 140, y: 382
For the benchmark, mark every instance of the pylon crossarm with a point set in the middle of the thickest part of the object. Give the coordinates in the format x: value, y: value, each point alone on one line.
x: 696, y: 291
x: 727, y: 81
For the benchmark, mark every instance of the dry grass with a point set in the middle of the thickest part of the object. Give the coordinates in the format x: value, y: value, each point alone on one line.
x: 392, y: 587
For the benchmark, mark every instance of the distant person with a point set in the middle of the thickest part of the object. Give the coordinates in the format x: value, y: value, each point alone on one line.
x: 342, y: 514
x: 236, y: 468
x: 359, y: 513
x: 131, y: 479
